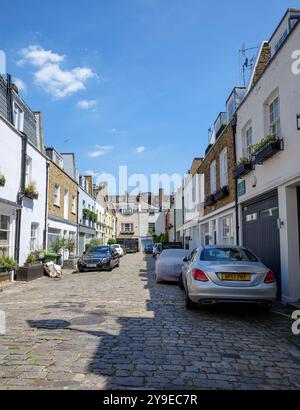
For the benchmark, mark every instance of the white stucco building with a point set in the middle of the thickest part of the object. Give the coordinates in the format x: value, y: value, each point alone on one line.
x: 269, y: 185
x: 193, y: 194
x: 23, y: 165
x: 86, y: 202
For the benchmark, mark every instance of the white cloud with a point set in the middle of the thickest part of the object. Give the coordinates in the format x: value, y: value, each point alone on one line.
x: 139, y: 150
x: 50, y: 76
x: 21, y: 85
x: 86, y: 104
x: 38, y: 56
x: 100, y: 151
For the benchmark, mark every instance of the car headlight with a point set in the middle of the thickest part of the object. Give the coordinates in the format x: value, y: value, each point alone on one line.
x: 105, y: 260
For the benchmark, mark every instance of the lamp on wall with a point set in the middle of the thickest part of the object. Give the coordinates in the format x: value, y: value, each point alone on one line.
x: 298, y: 122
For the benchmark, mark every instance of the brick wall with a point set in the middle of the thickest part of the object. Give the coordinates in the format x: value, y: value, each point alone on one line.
x: 226, y: 139
x: 57, y: 176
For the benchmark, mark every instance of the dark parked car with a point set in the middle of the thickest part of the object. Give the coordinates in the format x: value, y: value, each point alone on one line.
x: 99, y: 258
x: 148, y: 249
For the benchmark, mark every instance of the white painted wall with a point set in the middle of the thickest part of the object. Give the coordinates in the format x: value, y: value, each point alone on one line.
x: 10, y: 160
x: 34, y: 210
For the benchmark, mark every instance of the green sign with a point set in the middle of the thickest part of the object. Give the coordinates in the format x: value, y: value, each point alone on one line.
x: 241, y: 188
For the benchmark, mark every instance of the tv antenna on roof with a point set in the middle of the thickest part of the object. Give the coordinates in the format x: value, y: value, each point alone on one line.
x: 246, y: 61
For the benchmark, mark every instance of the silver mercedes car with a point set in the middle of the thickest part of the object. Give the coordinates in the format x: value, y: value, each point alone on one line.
x: 216, y: 274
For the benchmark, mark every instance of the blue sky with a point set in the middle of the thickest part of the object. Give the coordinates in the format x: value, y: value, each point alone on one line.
x: 131, y: 82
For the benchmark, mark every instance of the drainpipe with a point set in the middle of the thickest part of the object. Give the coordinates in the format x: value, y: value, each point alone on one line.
x: 46, y: 206
x: 9, y: 99
x: 20, y: 196
x: 237, y: 220
x: 77, y: 212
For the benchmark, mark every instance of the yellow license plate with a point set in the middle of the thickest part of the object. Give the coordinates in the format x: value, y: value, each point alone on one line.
x: 236, y: 276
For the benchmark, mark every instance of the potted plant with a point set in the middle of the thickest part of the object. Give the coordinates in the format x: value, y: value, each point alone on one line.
x: 242, y: 167
x: 56, y: 247
x: 2, y: 180
x: 7, y: 268
x: 31, y: 270
x: 70, y: 246
x: 30, y: 191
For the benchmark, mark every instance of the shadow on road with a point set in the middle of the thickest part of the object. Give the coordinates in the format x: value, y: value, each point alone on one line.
x: 166, y: 346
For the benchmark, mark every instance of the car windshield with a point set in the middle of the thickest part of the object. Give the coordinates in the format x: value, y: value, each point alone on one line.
x: 228, y: 255
x: 100, y: 249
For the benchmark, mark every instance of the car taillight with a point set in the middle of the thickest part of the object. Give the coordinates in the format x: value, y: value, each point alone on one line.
x: 270, y: 277
x: 199, y: 275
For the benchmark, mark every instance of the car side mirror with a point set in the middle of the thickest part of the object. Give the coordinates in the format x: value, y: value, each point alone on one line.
x: 84, y: 252
x: 185, y: 259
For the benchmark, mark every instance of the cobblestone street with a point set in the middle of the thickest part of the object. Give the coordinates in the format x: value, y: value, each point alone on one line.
x: 122, y: 330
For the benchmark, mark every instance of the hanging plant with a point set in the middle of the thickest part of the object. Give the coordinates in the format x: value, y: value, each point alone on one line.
x: 30, y: 191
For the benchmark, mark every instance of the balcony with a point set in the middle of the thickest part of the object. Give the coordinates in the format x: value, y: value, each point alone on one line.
x: 266, y: 149
x: 243, y: 168
x: 221, y: 193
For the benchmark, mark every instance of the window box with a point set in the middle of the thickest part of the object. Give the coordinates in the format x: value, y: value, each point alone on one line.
x: 242, y: 169
x: 32, y: 195
x: 127, y: 232
x: 267, y: 150
x: 209, y: 200
x: 31, y: 192
x: 221, y: 193
x: 2, y: 180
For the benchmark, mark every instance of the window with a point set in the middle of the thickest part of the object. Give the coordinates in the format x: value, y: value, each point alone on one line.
x: 151, y: 212
x: 274, y: 117
x: 228, y: 255
x: 213, y: 180
x: 66, y: 204
x: 53, y: 234
x: 127, y: 227
x: 280, y: 41
x: 269, y: 212
x: 57, y: 159
x: 223, y: 168
x: 73, y: 204
x: 248, y: 143
x: 205, y: 234
x: 28, y: 170
x: 227, y: 230
x: 57, y: 195
x: 4, y: 236
x: 151, y: 227
x: 251, y: 217
x: 214, y: 231
x: 34, y: 236
x: 18, y: 117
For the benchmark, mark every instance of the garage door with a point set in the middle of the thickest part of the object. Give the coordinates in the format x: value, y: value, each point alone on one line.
x: 261, y: 233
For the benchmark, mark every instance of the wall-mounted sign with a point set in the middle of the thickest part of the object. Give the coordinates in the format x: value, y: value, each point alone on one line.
x: 241, y: 188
